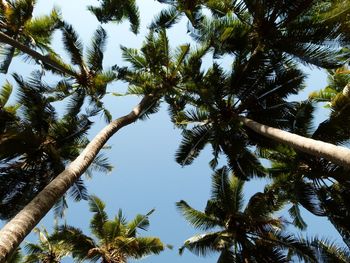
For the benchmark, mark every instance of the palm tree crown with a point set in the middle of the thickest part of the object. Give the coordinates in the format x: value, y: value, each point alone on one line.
x: 250, y: 234
x: 116, y: 240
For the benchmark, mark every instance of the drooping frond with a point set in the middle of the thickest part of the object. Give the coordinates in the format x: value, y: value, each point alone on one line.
x: 196, y: 218
x: 99, y: 218
x: 139, y: 222
x: 117, y: 11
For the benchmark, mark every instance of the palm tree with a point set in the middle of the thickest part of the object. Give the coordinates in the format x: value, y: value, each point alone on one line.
x: 154, y: 61
x: 19, y: 30
x: 318, y: 185
x: 116, y: 240
x: 260, y: 32
x: 306, y: 30
x: 90, y: 80
x: 36, y: 146
x: 48, y: 250
x: 251, y: 234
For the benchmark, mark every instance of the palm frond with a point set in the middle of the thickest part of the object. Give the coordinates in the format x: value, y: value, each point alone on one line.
x: 78, y: 191
x: 100, y: 216
x: 117, y: 11
x: 72, y: 44
x: 201, y: 245
x: 166, y: 18
x: 140, y: 221
x: 60, y: 207
x: 95, y: 52
x: 196, y: 218
x: 192, y: 143
x: 5, y: 93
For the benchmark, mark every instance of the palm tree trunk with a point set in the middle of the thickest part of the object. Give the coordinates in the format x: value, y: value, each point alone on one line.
x: 13, y: 233
x: 337, y: 154
x: 36, y: 55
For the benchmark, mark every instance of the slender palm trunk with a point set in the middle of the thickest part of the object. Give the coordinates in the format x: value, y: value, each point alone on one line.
x: 13, y: 233
x: 46, y: 60
x: 337, y: 154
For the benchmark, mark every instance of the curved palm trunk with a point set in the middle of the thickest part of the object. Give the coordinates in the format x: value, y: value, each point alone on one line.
x: 36, y: 55
x: 13, y: 233
x: 337, y: 154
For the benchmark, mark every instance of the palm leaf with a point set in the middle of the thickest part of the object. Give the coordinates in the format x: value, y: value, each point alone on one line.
x: 140, y: 221
x: 196, y: 218
x: 192, y: 143
x: 117, y: 11
x: 99, y: 218
x: 73, y: 45
x: 95, y: 52
x: 5, y: 93
x: 78, y: 191
x: 166, y: 18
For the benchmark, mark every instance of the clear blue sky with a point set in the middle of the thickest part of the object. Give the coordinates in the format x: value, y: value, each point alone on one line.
x: 146, y: 175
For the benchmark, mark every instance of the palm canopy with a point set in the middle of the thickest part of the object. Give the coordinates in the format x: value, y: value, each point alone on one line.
x: 310, y: 31
x: 116, y: 240
x: 316, y: 184
x: 17, y: 22
x: 250, y: 234
x: 88, y: 80
x: 214, y: 99
x: 48, y: 249
x: 156, y: 69
x: 37, y: 145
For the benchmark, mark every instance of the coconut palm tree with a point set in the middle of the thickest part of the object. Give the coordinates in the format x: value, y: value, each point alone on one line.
x: 302, y: 180
x: 18, y: 25
x: 37, y: 146
x: 154, y: 88
x: 48, y: 250
x: 263, y: 31
x: 307, y: 30
x: 250, y: 234
x: 116, y: 240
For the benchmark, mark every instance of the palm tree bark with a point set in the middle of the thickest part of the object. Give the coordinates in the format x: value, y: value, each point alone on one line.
x: 13, y: 233
x: 36, y: 55
x: 337, y: 154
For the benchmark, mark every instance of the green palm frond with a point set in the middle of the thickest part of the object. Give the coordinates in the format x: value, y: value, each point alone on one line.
x: 6, y: 55
x: 329, y: 251
x: 73, y: 45
x: 100, y: 164
x: 40, y: 28
x: 78, y: 191
x: 139, y: 222
x: 78, y: 243
x: 193, y: 142
x: 5, y: 93
x: 197, y: 219
x: 95, y: 52
x: 166, y: 18
x: 117, y: 11
x: 146, y: 246
x: 132, y: 56
x: 227, y: 190
x: 60, y: 207
x: 298, y: 221
x: 202, y: 245
x: 100, y: 216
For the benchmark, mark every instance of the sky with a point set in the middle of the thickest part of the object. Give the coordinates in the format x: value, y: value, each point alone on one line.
x: 145, y: 174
